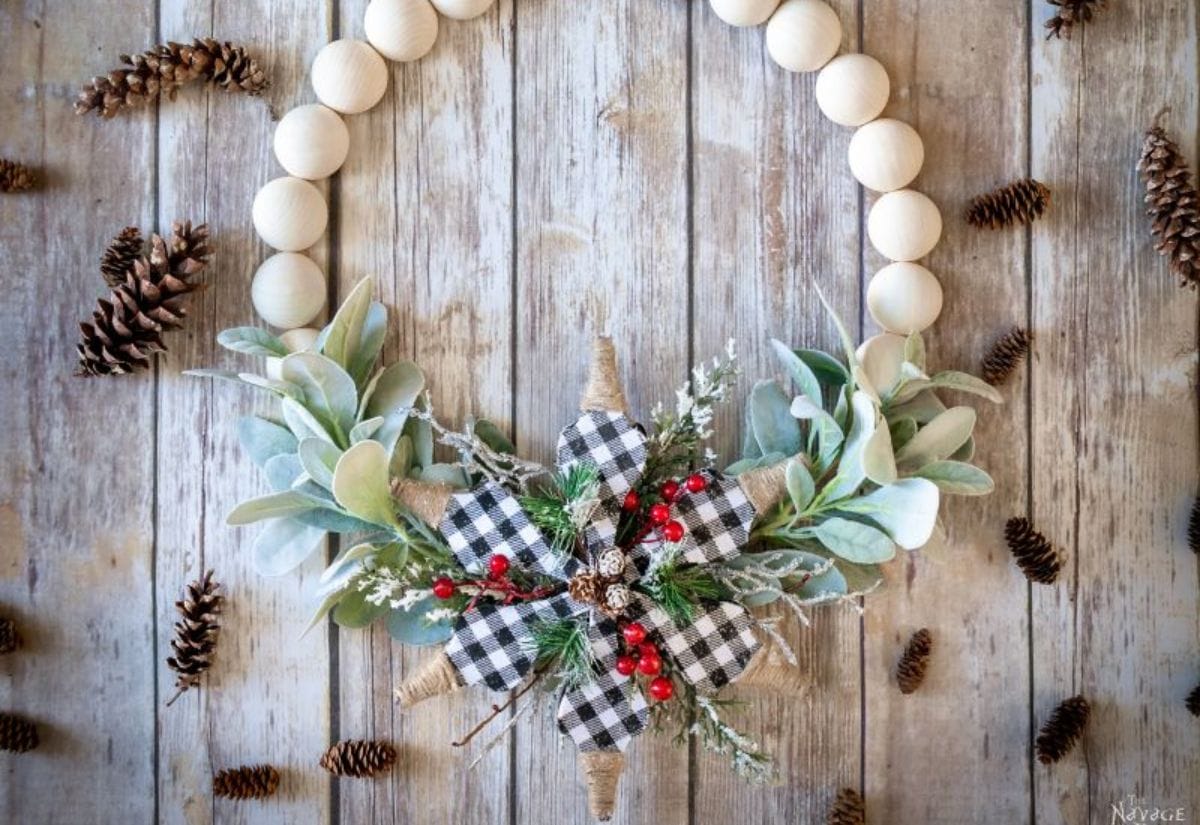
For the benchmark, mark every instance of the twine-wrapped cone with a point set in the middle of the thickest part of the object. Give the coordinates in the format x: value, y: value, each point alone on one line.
x: 603, y: 391
x: 602, y: 771
x: 435, y: 677
x: 426, y: 499
x: 770, y: 671
x: 765, y: 486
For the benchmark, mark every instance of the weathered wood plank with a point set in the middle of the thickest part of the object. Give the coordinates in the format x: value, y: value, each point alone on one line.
x: 1115, y: 443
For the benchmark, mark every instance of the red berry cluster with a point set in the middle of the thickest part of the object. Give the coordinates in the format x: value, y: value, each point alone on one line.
x: 445, y: 587
x: 642, y: 656
x: 659, y: 514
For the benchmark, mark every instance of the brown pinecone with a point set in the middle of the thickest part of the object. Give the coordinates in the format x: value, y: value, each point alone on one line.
x: 1038, y: 559
x: 246, y: 782
x: 1021, y: 201
x: 1193, y: 701
x: 196, y: 631
x: 358, y: 757
x: 126, y: 328
x: 14, y: 177
x: 164, y: 68
x: 1063, y: 730
x: 1172, y: 204
x: 910, y: 672
x: 16, y: 734
x: 1069, y: 13
x: 10, y: 640
x: 1005, y: 356
x: 1194, y: 527
x: 120, y: 255
x: 586, y: 587
x: 848, y: 809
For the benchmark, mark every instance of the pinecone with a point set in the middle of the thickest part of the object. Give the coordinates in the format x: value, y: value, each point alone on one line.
x: 126, y: 328
x: 14, y: 177
x: 10, y: 640
x: 164, y: 68
x: 1021, y: 201
x: 1005, y: 356
x: 1193, y: 701
x: 1069, y: 13
x: 848, y: 809
x: 1063, y: 730
x: 586, y: 587
x: 246, y: 782
x: 358, y: 757
x: 911, y: 670
x: 1172, y: 204
x: 1194, y: 527
x: 195, y: 633
x: 16, y: 734
x: 1038, y: 559
x: 122, y: 252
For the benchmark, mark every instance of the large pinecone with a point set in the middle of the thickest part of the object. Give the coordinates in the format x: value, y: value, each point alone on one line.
x: 16, y: 734
x: 358, y: 757
x: 848, y: 809
x: 246, y: 782
x: 126, y: 328
x: 1193, y: 701
x: 1038, y: 559
x: 196, y: 631
x: 1021, y: 201
x: 164, y: 68
x: 14, y: 177
x: 1005, y: 356
x: 1069, y: 13
x: 120, y: 255
x: 1062, y: 730
x: 910, y: 672
x: 10, y: 640
x: 1173, y: 205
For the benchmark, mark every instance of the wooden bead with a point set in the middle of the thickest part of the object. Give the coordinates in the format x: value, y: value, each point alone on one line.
x: 289, y: 214
x: 852, y: 89
x: 401, y: 30
x: 311, y: 142
x: 349, y: 76
x: 904, y: 225
x: 904, y: 298
x: 288, y: 290
x: 296, y: 340
x: 462, y: 9
x: 743, y: 12
x: 802, y: 35
x: 880, y: 357
x: 886, y: 154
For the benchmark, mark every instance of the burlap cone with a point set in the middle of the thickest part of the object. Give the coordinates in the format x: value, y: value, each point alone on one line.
x: 602, y: 771
x: 426, y: 499
x: 435, y: 677
x: 767, y: 485
x: 769, y: 671
x: 603, y: 391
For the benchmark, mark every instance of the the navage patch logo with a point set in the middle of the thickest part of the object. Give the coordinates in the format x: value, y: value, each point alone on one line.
x: 1136, y: 811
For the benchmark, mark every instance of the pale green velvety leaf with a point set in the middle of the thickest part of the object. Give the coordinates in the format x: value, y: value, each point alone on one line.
x: 860, y: 578
x: 318, y: 458
x: 402, y: 458
x: 829, y: 371
x: 494, y: 437
x: 251, y: 341
x: 847, y: 341
x: 410, y: 627
x: 450, y: 474
x: 938, y: 439
x: 775, y: 429
x: 283, y: 470
x: 329, y: 393
x: 805, y: 380
x: 958, y: 478
x: 394, y: 392
x: 263, y: 439
x: 855, y: 541
x: 353, y: 610
x: 361, y: 486
x: 966, y: 452
x: 923, y: 408
x: 283, y: 545
x: 851, y: 473
x: 829, y: 433
x: 301, y: 422
x: 374, y: 332
x: 345, y: 329
x: 420, y: 433
x: 964, y: 382
x: 800, y: 485
x: 878, y: 460
x: 365, y: 429
x: 276, y: 505
x: 347, y: 563
x: 906, y: 510
x: 914, y: 350
x: 278, y: 388
x: 902, y: 430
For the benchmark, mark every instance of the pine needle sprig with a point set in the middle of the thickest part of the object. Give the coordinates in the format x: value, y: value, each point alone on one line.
x: 1172, y: 204
x: 1038, y: 559
x: 1071, y: 12
x: 1022, y: 201
x: 196, y: 633
x: 246, y: 782
x: 1005, y: 356
x: 562, y: 508
x: 564, y: 646
x: 1060, y: 733
x: 120, y: 255
x: 848, y: 809
x: 15, y: 177
x: 678, y: 587
x: 910, y: 672
x: 699, y: 717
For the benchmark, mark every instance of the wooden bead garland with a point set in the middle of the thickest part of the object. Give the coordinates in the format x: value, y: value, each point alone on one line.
x: 288, y: 290
x: 886, y: 154
x: 349, y: 76
x: 462, y: 9
x: 802, y: 35
x: 904, y: 225
x: 401, y: 30
x: 904, y: 298
x: 290, y: 214
x: 311, y: 142
x: 852, y: 89
x: 744, y: 12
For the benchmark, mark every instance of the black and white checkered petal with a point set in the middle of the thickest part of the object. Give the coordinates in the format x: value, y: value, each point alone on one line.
x: 487, y: 520
x: 492, y: 643
x: 607, y: 712
x: 609, y: 442
x: 716, y: 520
x: 600, y: 534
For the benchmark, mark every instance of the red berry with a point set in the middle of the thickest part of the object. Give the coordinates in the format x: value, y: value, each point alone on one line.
x: 649, y: 663
x: 673, y: 531
x: 626, y: 665
x: 670, y: 490
x: 631, y: 502
x: 662, y: 688
x: 660, y: 513
x: 443, y: 587
x: 696, y: 483
x: 633, y: 633
x: 648, y: 649
x: 498, y: 565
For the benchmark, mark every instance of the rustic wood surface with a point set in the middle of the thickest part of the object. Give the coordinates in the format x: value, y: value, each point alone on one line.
x: 552, y: 169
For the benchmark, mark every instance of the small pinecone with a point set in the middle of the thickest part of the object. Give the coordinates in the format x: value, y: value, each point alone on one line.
x: 848, y: 809
x: 164, y: 68
x: 196, y: 631
x: 358, y: 757
x: 1021, y: 201
x: 1038, y: 559
x: 1172, y: 204
x: 1193, y: 701
x: 586, y: 587
x: 910, y: 673
x: 1005, y: 356
x: 1069, y: 13
x: 1194, y: 527
x: 122, y: 252
x: 1063, y: 730
x: 126, y: 328
x: 246, y: 782
x: 14, y: 177
x: 10, y: 640
x: 16, y: 734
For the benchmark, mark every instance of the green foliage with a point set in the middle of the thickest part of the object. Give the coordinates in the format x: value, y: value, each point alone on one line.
x: 560, y: 508
x: 563, y: 645
x: 694, y: 716
x: 678, y: 587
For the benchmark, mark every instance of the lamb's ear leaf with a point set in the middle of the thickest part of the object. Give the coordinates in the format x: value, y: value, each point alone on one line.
x: 263, y: 439
x: 855, y: 541
x: 775, y: 429
x: 346, y: 328
x: 283, y: 545
x: 411, y: 627
x: 806, y: 380
x: 360, y: 483
x: 251, y: 341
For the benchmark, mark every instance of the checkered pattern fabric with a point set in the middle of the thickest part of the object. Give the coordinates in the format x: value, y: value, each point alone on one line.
x: 611, y: 443
x: 717, y: 520
x: 712, y: 650
x: 607, y: 712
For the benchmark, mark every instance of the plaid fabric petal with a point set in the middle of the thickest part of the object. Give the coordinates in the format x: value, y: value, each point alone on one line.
x: 609, y: 442
x: 607, y: 712
x: 491, y: 643
x: 600, y: 533
x: 488, y: 520
x: 717, y: 520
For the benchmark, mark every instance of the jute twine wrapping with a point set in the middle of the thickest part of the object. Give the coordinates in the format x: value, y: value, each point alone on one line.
x: 435, y: 677
x: 767, y: 485
x: 425, y: 499
x: 770, y: 671
x: 603, y: 390
x: 602, y: 770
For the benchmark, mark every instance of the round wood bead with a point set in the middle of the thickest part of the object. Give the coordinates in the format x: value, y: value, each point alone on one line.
x: 904, y: 298
x: 462, y: 9
x: 401, y: 30
x: 289, y: 214
x: 886, y: 154
x: 802, y: 35
x: 904, y: 225
x: 349, y: 76
x: 743, y: 12
x: 852, y: 89
x: 288, y: 290
x: 311, y: 142
x: 296, y: 340
x: 881, y: 357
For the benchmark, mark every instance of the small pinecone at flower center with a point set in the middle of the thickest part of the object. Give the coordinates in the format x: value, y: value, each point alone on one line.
x: 246, y: 782
x: 1035, y: 555
x: 1063, y: 730
x: 1193, y: 701
x: 586, y: 587
x: 16, y: 734
x: 1172, y: 204
x: 1005, y: 356
x: 1071, y: 12
x: 14, y: 177
x: 848, y: 809
x: 1022, y: 201
x: 358, y: 757
x: 120, y: 256
x: 10, y: 640
x: 910, y: 672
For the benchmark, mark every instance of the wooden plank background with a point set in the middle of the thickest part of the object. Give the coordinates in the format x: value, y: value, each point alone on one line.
x: 552, y: 169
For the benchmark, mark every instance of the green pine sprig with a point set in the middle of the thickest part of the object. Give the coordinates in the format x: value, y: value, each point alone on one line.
x: 694, y: 715
x: 556, y: 508
x: 564, y: 646
x: 678, y: 588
